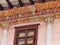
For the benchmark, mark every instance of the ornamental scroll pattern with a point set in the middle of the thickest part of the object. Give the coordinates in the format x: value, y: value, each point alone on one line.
x: 30, y: 14
x: 23, y: 20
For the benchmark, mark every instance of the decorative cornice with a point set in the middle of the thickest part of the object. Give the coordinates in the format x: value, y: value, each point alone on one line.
x: 16, y: 20
x: 32, y: 13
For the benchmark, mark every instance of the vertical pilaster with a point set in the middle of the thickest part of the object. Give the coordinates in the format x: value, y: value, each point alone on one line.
x: 49, y: 29
x: 4, y: 37
x: 5, y: 33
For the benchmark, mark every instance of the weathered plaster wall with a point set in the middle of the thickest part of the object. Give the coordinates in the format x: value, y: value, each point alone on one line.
x: 10, y: 40
x: 0, y: 34
x: 41, y: 33
x: 56, y: 32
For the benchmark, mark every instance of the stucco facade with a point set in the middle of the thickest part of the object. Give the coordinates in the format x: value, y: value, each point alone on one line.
x: 46, y: 14
x: 41, y: 33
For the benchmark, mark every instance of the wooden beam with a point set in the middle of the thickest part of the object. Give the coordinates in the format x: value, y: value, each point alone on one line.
x: 9, y: 3
x: 40, y: 1
x: 20, y: 3
x: 32, y: 2
x: 1, y: 7
x: 50, y: 0
x: 43, y: 0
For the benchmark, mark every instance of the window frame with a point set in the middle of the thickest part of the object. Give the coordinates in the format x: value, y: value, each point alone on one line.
x: 26, y: 27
